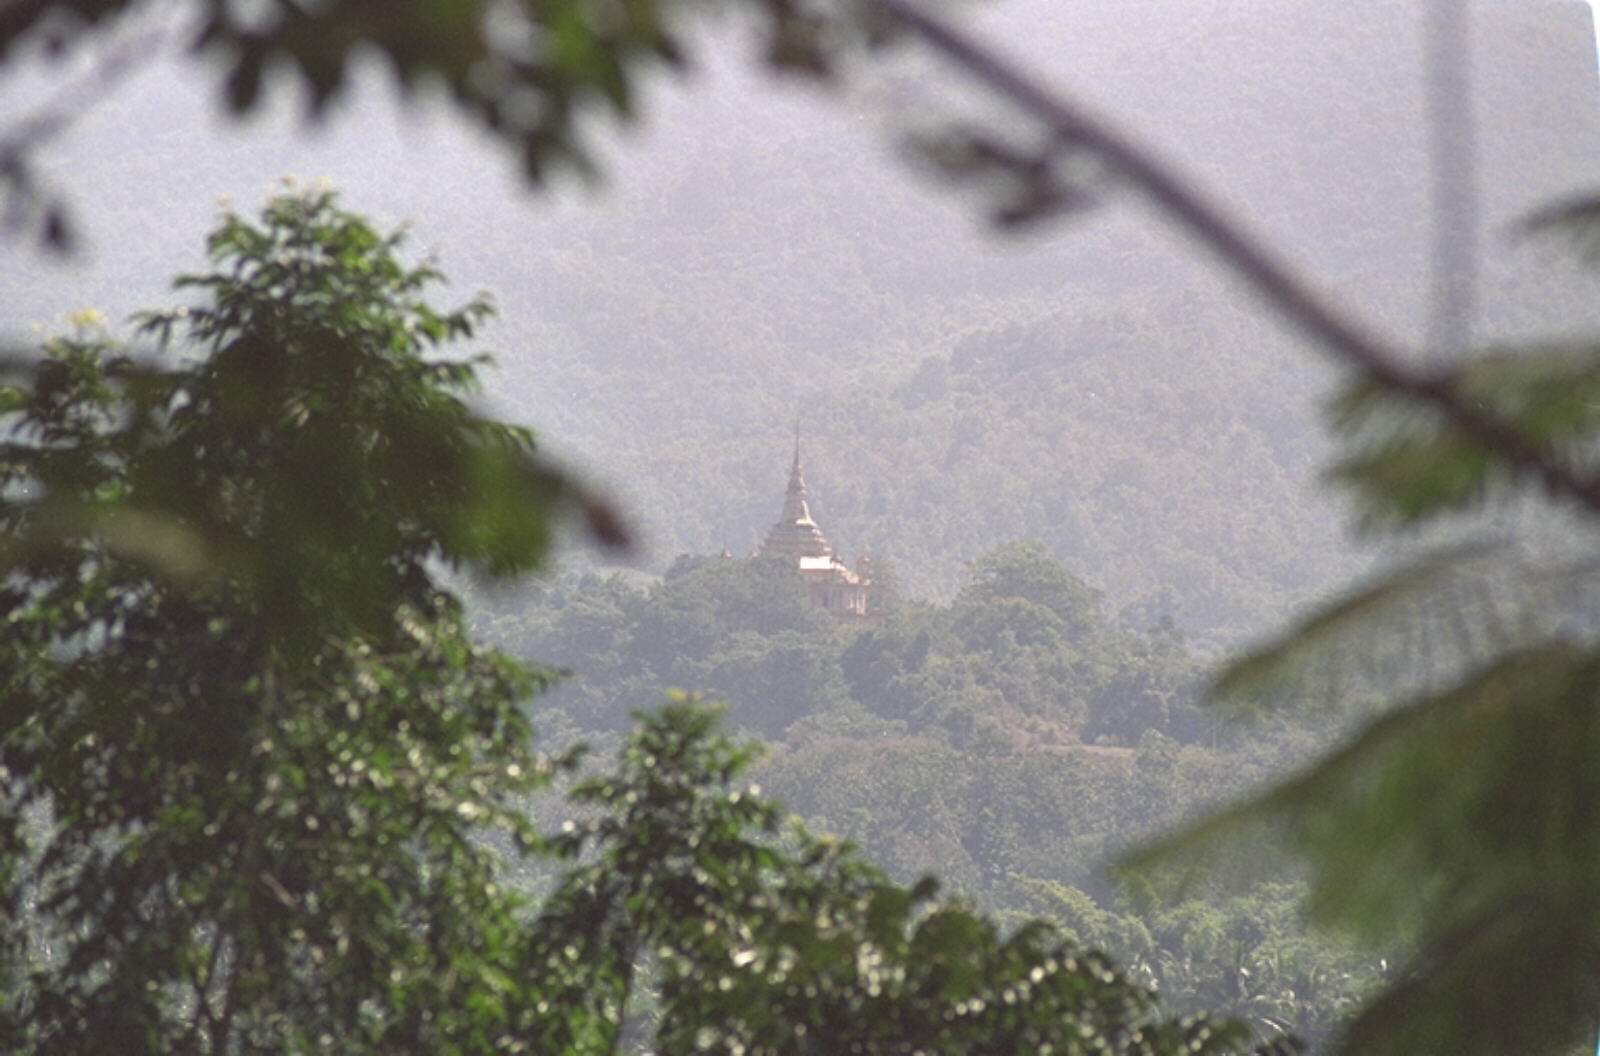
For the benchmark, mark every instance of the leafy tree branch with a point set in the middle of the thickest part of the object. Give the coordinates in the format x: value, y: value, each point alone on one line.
x: 1075, y: 129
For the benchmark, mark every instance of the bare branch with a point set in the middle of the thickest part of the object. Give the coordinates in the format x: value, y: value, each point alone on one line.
x: 18, y: 16
x: 55, y: 116
x: 1350, y: 343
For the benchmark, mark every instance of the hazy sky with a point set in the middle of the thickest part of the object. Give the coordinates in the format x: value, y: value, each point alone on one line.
x: 740, y: 218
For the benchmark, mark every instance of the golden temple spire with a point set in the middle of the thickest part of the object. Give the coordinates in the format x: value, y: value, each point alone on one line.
x: 795, y: 508
x: 795, y: 534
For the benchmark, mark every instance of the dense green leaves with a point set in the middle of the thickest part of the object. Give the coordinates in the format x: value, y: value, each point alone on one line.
x: 1406, y: 464
x: 249, y: 754
x: 1461, y: 815
x: 181, y: 594
x: 952, y: 738
x: 1022, y: 650
x: 764, y: 942
x: 1248, y: 953
x: 318, y: 452
x: 532, y: 75
x: 261, y: 792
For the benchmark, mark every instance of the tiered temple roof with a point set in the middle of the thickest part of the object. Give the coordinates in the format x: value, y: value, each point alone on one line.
x: 829, y: 582
x: 795, y: 534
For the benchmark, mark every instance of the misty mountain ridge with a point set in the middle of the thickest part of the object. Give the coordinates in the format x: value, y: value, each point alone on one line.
x: 757, y: 252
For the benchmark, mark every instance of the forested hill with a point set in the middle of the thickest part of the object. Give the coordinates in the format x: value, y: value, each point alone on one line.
x: 1101, y: 390
x: 1138, y: 437
x: 1008, y: 741
x: 754, y: 254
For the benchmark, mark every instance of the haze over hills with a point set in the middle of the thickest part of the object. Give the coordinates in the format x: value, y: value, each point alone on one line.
x: 759, y: 251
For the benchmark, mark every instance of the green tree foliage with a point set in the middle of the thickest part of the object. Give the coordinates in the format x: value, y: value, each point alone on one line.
x: 1461, y: 812
x: 950, y: 747
x: 1156, y: 688
x: 262, y: 793
x: 525, y: 73
x: 1246, y: 953
x: 248, y: 750
x: 1024, y: 571
x: 1023, y: 648
x: 763, y: 944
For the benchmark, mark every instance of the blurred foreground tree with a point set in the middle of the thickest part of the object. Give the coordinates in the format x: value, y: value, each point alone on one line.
x: 246, y: 747
x: 1462, y: 815
x: 260, y: 793
x: 527, y: 73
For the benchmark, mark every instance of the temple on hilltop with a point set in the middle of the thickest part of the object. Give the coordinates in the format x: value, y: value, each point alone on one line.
x: 828, y: 582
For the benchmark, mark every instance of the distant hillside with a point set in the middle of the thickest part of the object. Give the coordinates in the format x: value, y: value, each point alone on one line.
x: 760, y: 252
x: 1098, y: 386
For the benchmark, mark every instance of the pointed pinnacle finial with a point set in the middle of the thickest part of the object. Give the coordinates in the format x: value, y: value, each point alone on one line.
x: 797, y: 480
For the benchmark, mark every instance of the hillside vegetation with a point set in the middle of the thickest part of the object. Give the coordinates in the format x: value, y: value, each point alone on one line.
x: 756, y: 254
x: 1010, y: 741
